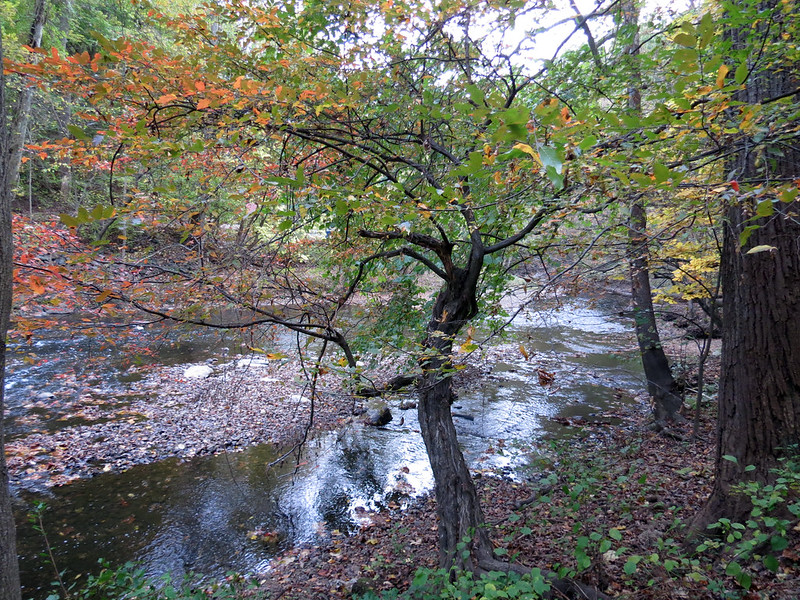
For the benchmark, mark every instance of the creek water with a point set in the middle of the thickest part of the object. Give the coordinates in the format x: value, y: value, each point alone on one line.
x: 235, y: 512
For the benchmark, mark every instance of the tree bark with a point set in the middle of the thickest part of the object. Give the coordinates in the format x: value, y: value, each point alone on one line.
x: 19, y: 125
x: 759, y: 396
x: 9, y: 569
x: 661, y: 385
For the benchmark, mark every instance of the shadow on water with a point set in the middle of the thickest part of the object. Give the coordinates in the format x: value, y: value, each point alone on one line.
x: 234, y: 512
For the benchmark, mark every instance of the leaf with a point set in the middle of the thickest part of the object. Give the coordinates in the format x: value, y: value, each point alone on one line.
x: 78, y: 133
x: 550, y: 158
x: 721, y: 74
x: 756, y: 250
x: 587, y: 142
x: 741, y: 73
x: 765, y: 208
x: 686, y: 40
x: 524, y: 352
x: 771, y: 563
x: 661, y: 172
x: 475, y: 94
x: 527, y: 150
x: 630, y: 565
x: 733, y: 568
x: 69, y: 220
x: 730, y: 458
x: 166, y: 98
x: 778, y: 543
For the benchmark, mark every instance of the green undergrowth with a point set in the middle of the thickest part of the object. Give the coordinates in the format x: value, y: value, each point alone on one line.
x: 618, y: 522
x: 130, y: 582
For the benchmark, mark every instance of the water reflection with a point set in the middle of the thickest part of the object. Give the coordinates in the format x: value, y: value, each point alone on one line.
x: 236, y: 511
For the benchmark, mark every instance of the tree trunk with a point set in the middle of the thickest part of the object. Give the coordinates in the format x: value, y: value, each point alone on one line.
x: 759, y: 395
x: 9, y: 569
x: 660, y: 384
x: 19, y: 125
x: 460, y: 515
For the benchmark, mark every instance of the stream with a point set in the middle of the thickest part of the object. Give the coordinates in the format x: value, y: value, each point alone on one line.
x: 236, y: 511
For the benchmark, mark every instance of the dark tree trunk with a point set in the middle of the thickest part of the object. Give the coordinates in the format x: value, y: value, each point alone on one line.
x: 759, y: 396
x: 660, y: 384
x: 9, y: 569
x: 460, y: 515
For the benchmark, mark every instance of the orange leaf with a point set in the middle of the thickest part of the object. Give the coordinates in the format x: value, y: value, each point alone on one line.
x: 203, y: 103
x: 200, y: 86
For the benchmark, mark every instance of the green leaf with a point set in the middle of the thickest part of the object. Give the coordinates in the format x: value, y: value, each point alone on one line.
x: 69, y: 220
x: 475, y: 93
x: 587, y: 142
x: 706, y: 29
x: 733, y: 568
x: 745, y: 580
x: 555, y: 177
x: 765, y: 208
x: 778, y: 543
x: 630, y: 565
x: 741, y: 73
x: 730, y: 458
x: 78, y: 133
x: 661, y: 172
x: 615, y: 534
x: 746, y: 233
x: 686, y: 40
x: 550, y: 158
x: 771, y: 563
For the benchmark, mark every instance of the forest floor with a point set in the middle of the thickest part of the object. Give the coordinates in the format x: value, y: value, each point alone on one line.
x: 644, y: 485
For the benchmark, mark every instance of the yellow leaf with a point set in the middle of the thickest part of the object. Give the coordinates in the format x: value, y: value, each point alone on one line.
x: 528, y: 150
x: 723, y: 71
x: 524, y: 352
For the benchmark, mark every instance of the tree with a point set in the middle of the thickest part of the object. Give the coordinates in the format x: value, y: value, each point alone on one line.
x: 759, y: 396
x: 19, y: 125
x: 661, y: 385
x: 9, y: 569
x: 422, y: 152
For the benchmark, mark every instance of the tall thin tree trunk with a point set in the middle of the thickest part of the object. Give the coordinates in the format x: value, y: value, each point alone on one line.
x: 9, y: 569
x: 22, y: 113
x: 65, y: 169
x: 661, y: 385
